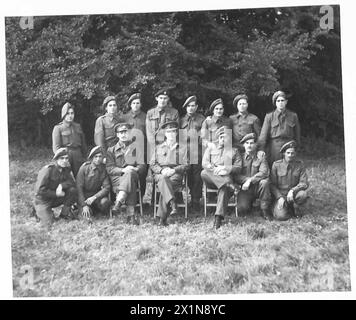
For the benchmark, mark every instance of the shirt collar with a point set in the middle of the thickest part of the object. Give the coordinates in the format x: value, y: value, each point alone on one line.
x: 243, y: 115
x: 215, y: 118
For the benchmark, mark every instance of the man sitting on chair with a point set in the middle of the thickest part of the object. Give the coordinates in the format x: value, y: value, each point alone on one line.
x: 253, y: 178
x: 93, y: 185
x: 168, y: 164
x: 124, y: 164
x: 220, y: 163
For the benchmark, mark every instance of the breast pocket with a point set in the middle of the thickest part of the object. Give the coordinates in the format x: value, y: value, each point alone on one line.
x: 66, y: 137
x: 290, y: 128
x: 109, y: 130
x: 274, y: 128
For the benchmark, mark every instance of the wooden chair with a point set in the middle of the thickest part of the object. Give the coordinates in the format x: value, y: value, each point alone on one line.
x: 183, y: 191
x: 207, y: 190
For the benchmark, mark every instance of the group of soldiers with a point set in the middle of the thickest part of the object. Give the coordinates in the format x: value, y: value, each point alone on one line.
x: 234, y: 155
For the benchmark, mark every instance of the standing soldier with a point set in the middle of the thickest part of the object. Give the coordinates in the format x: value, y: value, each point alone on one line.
x: 243, y: 122
x: 289, y: 182
x: 104, y: 133
x: 156, y: 117
x: 125, y: 165
x: 220, y: 164
x: 55, y: 186
x: 69, y: 134
x: 191, y: 124
x: 93, y: 185
x: 168, y: 164
x: 212, y: 123
x: 253, y: 179
x: 279, y: 127
x: 136, y: 118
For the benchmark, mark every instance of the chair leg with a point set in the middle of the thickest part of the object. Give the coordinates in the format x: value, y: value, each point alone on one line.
x: 204, y: 195
x: 186, y: 197
x: 155, y: 200
x: 236, y: 212
x: 140, y: 201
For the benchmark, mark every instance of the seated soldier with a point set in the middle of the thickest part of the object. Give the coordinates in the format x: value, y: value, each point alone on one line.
x: 168, y: 165
x: 125, y: 164
x: 220, y: 163
x: 93, y: 185
x: 289, y: 182
x: 253, y: 178
x: 55, y: 186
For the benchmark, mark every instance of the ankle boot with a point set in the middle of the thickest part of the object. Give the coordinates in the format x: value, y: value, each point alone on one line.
x: 173, y: 207
x: 218, y: 222
x: 163, y: 222
x: 265, y: 213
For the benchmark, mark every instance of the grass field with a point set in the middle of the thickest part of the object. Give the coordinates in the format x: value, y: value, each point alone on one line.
x: 246, y: 255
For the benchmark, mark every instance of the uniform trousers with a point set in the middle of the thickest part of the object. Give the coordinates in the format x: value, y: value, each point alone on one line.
x: 44, y: 207
x: 287, y: 211
x: 224, y: 192
x: 167, y: 187
x: 258, y: 190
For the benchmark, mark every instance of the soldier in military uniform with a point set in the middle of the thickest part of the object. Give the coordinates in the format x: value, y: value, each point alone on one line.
x: 253, y: 178
x: 156, y: 116
x: 289, y: 182
x: 93, y: 186
x: 243, y: 122
x: 279, y: 127
x: 136, y: 118
x: 168, y: 164
x: 104, y: 133
x: 125, y: 164
x: 55, y: 186
x: 191, y: 124
x: 220, y: 163
x: 69, y: 134
x: 212, y: 123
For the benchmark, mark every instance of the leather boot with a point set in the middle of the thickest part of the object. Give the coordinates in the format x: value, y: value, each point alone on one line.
x: 218, y: 222
x: 116, y: 207
x: 162, y: 222
x: 266, y: 214
x: 66, y: 213
x: 173, y: 207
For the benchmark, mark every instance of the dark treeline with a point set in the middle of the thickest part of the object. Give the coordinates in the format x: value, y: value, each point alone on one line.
x: 212, y: 54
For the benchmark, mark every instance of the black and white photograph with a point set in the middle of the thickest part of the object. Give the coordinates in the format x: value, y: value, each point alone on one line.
x: 197, y: 151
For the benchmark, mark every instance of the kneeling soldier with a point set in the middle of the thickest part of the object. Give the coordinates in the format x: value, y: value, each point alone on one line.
x: 168, y: 164
x: 93, y: 185
x: 253, y: 178
x: 125, y: 164
x: 288, y: 183
x: 55, y: 186
x: 220, y: 163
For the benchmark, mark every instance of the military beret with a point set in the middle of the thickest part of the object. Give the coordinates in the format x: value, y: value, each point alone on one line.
x: 133, y: 97
x: 214, y: 104
x: 170, y: 125
x: 162, y: 92
x: 122, y: 126
x: 94, y: 151
x: 278, y: 94
x: 239, y: 97
x: 189, y: 100
x: 65, y: 109
x: 60, y: 152
x: 249, y: 136
x: 289, y: 144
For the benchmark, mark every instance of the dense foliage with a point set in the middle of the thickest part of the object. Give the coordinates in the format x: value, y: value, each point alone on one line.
x: 208, y: 53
